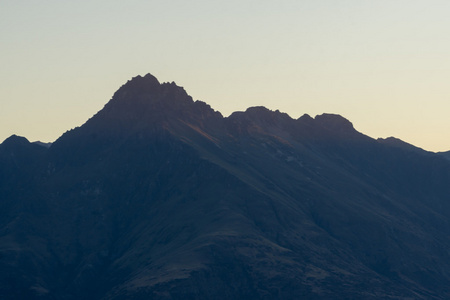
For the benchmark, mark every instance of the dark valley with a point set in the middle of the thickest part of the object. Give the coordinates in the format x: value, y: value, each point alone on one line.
x: 160, y: 197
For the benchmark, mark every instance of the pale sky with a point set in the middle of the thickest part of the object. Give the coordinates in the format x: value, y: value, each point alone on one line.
x: 382, y: 64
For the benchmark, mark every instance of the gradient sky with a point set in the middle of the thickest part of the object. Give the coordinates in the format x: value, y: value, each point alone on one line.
x: 384, y: 64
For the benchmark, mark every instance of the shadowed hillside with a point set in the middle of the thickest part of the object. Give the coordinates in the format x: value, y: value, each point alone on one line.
x: 160, y: 197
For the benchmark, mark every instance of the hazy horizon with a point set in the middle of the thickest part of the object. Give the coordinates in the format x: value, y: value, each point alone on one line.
x: 382, y: 65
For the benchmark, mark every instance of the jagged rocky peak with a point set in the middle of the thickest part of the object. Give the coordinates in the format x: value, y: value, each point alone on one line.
x: 205, y: 110
x: 141, y: 84
x: 147, y: 89
x: 260, y: 115
x: 144, y: 103
x: 257, y: 119
x: 335, y: 123
x: 145, y: 97
x: 305, y: 120
x: 262, y: 112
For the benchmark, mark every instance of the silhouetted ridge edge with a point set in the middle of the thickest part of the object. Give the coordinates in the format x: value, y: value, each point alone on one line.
x: 15, y: 140
x: 160, y: 197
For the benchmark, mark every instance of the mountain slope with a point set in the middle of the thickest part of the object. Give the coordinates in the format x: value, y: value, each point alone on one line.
x: 445, y: 154
x: 158, y: 196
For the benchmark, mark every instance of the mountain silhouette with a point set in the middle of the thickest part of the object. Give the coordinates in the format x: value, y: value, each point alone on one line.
x: 158, y: 196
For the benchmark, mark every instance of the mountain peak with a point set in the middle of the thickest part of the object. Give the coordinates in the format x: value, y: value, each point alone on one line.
x: 147, y: 89
x: 145, y: 97
x: 142, y: 83
x: 334, y: 122
x: 143, y: 104
x: 260, y: 114
x: 15, y: 140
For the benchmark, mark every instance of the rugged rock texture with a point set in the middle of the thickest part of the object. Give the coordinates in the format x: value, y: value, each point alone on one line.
x: 160, y: 197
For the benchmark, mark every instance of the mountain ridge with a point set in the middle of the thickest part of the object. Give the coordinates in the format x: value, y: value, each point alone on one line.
x: 157, y: 196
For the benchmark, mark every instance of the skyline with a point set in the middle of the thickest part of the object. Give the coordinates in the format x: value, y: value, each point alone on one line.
x: 382, y: 65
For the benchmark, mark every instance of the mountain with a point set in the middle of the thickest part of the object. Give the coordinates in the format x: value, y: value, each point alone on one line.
x: 46, y: 145
x: 395, y: 142
x: 445, y: 154
x: 158, y: 196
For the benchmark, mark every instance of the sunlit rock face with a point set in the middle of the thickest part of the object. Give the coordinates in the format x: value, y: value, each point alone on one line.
x: 158, y: 196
